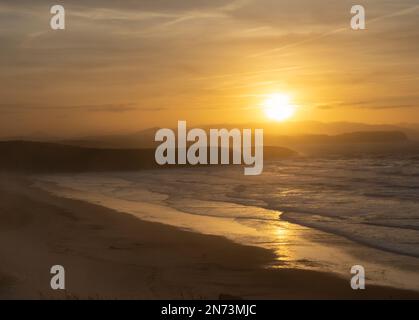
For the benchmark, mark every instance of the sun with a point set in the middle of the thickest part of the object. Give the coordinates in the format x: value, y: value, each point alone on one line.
x: 278, y: 107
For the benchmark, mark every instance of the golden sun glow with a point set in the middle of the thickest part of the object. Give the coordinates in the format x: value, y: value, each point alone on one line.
x: 278, y: 107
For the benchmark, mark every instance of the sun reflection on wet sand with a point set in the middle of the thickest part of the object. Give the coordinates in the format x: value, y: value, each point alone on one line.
x: 295, y: 246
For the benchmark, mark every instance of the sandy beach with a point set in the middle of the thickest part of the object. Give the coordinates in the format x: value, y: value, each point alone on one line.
x: 112, y: 255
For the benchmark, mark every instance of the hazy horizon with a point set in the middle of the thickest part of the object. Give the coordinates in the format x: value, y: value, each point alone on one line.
x: 291, y: 128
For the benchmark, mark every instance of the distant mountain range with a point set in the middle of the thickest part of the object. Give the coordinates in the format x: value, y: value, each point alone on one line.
x: 275, y: 134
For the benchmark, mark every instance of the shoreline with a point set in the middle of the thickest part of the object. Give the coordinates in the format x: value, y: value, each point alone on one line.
x: 112, y: 255
x: 295, y: 245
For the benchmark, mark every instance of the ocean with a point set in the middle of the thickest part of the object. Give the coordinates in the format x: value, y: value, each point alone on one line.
x: 314, y: 213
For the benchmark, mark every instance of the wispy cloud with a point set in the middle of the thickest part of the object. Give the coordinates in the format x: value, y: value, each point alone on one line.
x: 201, y: 59
x: 340, y: 29
x: 113, y: 108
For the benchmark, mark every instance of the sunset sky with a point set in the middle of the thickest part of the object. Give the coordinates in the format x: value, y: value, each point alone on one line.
x: 122, y: 66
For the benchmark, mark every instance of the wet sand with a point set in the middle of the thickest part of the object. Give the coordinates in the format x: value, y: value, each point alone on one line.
x: 113, y: 255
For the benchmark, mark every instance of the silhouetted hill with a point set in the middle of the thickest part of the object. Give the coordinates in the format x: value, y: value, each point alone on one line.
x: 345, y: 138
x: 371, y: 137
x: 50, y: 157
x: 40, y: 157
x: 353, y: 145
